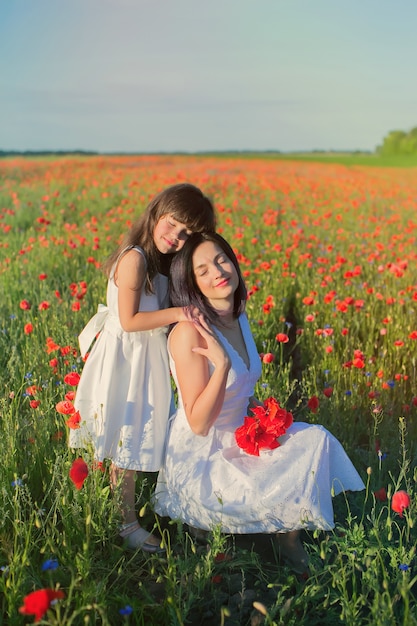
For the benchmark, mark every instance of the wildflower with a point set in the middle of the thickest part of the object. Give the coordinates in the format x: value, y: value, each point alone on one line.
x: 65, y: 407
x: 262, y: 429
x: 308, y: 300
x: 49, y: 564
x: 328, y: 391
x: 268, y: 357
x: 78, y: 472
x: 400, y: 501
x: 282, y: 338
x: 44, y: 306
x: 413, y: 335
x: 25, y: 305
x: 51, y: 346
x: 43, y: 276
x: 403, y: 567
x: 74, y: 420
x: 313, y: 404
x: 18, y: 482
x: 38, y: 602
x: 73, y: 378
x: 126, y: 610
x: 381, y: 494
x: 28, y: 328
x: 34, y: 404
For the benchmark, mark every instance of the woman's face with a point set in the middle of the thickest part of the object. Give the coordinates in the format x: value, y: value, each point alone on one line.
x: 215, y: 275
x: 170, y: 235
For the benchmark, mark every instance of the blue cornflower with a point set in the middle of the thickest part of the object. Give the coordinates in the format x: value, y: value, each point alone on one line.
x: 348, y: 392
x: 50, y: 564
x: 28, y: 375
x: 13, y: 316
x: 126, y: 610
x: 391, y: 383
x: 403, y: 567
x: 18, y: 482
x: 327, y: 372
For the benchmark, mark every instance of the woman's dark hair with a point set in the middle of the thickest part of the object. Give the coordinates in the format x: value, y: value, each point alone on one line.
x: 183, y: 287
x: 187, y: 204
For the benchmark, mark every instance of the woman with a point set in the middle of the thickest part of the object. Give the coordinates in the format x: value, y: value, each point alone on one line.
x: 207, y: 479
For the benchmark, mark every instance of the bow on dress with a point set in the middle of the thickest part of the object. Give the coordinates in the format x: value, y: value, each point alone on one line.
x: 93, y: 327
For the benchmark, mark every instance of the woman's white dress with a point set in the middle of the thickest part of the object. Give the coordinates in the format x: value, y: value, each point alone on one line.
x: 210, y: 481
x: 124, y: 395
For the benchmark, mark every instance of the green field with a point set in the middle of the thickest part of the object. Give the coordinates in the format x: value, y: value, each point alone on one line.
x: 327, y: 246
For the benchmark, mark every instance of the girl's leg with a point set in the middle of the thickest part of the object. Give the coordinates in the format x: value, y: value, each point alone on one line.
x: 135, y: 535
x: 126, y: 480
x: 292, y: 552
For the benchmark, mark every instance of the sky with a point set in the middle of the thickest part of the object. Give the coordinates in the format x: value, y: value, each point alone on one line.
x: 194, y: 75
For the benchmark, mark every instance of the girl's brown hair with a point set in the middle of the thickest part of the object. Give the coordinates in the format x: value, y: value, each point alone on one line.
x: 187, y: 204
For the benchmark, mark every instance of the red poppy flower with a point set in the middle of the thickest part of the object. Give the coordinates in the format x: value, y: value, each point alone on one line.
x: 51, y: 346
x: 282, y: 338
x: 313, y: 404
x: 78, y: 472
x: 400, y: 501
x: 413, y: 335
x: 25, y: 305
x: 43, y: 276
x: 38, y: 602
x: 328, y: 391
x: 308, y: 300
x: 44, y: 306
x: 34, y: 404
x: 65, y: 407
x: 268, y: 357
x: 381, y: 494
x: 74, y: 421
x: 261, y: 431
x: 73, y: 378
x: 28, y: 328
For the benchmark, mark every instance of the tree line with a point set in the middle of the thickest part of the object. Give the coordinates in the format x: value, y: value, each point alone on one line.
x: 399, y: 142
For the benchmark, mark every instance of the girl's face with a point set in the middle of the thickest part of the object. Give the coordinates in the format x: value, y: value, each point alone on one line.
x: 215, y: 275
x: 170, y: 235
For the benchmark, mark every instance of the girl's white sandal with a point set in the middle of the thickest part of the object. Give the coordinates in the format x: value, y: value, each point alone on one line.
x: 136, y: 538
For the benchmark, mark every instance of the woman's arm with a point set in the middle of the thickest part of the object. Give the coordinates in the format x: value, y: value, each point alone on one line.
x: 130, y: 277
x: 192, y: 345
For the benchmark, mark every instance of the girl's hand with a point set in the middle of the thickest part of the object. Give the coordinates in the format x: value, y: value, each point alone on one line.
x: 214, y: 351
x: 187, y: 314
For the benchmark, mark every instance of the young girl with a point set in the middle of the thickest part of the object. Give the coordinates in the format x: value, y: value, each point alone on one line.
x: 207, y: 479
x: 124, y: 393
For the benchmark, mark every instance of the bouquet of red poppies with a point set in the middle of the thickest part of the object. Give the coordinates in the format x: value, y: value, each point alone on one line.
x: 261, y: 430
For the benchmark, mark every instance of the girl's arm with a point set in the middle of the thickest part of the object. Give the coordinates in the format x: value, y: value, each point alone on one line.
x: 192, y: 345
x: 130, y: 277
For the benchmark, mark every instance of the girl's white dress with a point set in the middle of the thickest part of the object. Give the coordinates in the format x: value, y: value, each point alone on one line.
x: 124, y: 394
x: 210, y: 481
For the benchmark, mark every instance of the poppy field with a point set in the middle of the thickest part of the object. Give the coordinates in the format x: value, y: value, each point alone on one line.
x: 329, y: 255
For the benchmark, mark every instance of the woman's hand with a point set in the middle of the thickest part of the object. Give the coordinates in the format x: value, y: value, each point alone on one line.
x: 192, y: 347
x: 253, y: 402
x: 214, y: 351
